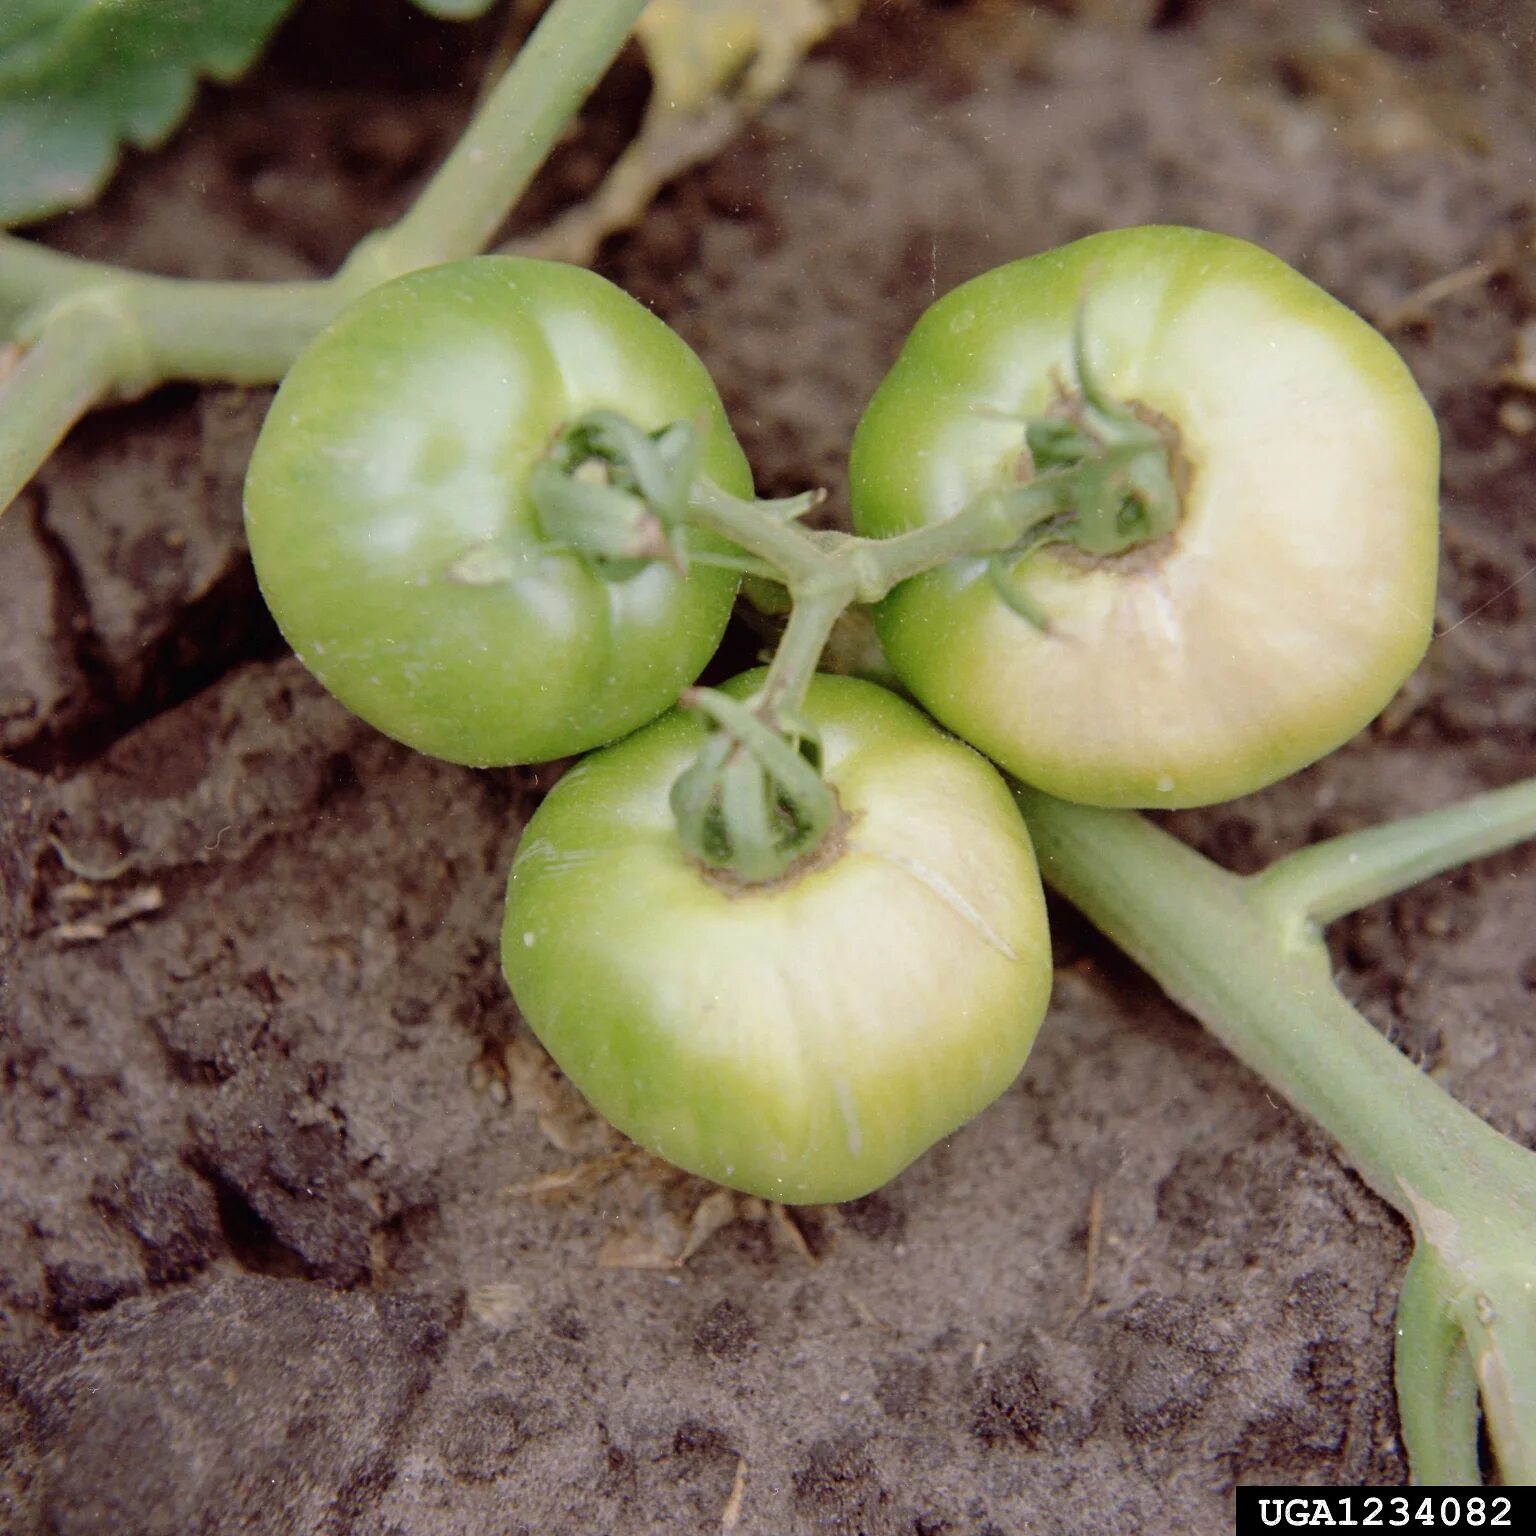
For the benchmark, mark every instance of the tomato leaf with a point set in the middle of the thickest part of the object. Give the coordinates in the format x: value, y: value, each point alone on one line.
x: 78, y: 78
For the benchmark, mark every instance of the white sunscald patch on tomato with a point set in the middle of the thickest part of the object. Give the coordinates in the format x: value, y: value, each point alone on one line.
x: 806, y: 1039
x: 1284, y: 609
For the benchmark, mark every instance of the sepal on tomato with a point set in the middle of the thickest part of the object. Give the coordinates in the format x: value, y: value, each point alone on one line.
x: 753, y: 803
x: 616, y: 494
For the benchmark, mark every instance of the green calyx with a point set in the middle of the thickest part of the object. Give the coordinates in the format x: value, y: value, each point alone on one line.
x: 1100, y: 475
x: 753, y: 804
x: 616, y: 494
x: 1114, y: 471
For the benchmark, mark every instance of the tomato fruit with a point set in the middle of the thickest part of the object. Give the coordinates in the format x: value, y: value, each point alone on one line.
x: 1288, y: 604
x: 805, y: 1039
x: 395, y: 541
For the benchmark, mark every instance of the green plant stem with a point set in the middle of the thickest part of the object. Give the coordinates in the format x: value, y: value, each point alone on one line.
x: 1234, y: 952
x: 249, y: 333
x: 721, y: 801
x: 1437, y: 1386
x: 236, y: 333
x: 989, y: 525
x: 799, y: 650
x: 826, y: 572
x: 1268, y: 995
x: 1343, y: 874
x: 69, y: 369
x: 870, y: 568
x: 791, y: 550
x: 467, y: 201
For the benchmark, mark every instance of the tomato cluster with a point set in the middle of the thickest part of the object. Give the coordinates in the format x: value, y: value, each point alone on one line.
x: 806, y: 1036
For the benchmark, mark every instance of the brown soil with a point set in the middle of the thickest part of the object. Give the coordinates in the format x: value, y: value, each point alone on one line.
x: 265, y: 1093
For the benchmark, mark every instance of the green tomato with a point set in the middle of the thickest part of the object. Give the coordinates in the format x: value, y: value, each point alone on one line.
x: 1288, y: 605
x: 394, y: 539
x: 803, y: 1040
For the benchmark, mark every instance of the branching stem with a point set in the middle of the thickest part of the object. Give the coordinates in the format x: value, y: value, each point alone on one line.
x: 789, y: 549
x: 249, y: 333
x: 1236, y: 954
x: 868, y: 569
x: 71, y: 367
x: 720, y: 799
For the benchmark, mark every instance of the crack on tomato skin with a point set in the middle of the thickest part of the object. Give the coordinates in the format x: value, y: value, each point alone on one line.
x: 934, y: 882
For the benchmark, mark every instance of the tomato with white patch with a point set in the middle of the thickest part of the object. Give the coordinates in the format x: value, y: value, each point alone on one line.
x: 804, y: 1039
x: 1287, y: 605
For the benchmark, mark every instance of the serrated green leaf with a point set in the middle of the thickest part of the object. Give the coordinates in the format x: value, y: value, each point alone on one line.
x: 78, y: 78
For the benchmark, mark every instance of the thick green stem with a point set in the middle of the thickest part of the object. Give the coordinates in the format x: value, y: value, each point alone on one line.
x: 139, y: 331
x: 1436, y: 1385
x: 1268, y: 995
x: 1245, y: 956
x: 237, y: 333
x: 46, y: 388
x: 467, y: 201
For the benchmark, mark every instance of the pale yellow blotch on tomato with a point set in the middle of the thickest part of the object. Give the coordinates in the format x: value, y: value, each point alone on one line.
x: 1289, y: 605
x: 803, y: 1041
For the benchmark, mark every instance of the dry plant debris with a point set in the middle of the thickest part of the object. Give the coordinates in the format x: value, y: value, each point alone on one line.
x: 1382, y: 106
x: 663, y: 1215
x: 714, y: 65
